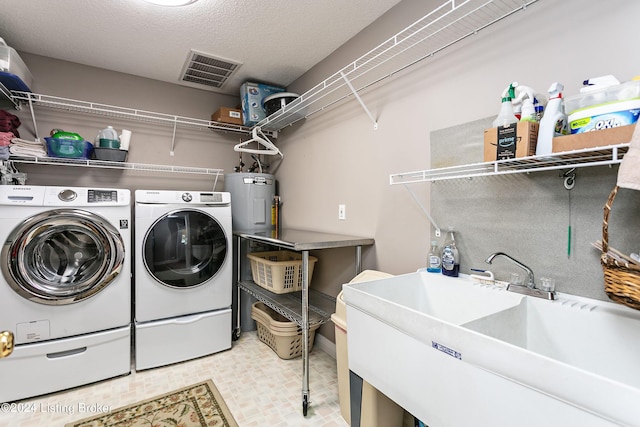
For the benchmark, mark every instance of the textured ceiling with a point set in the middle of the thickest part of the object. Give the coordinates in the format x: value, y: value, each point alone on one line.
x: 275, y: 40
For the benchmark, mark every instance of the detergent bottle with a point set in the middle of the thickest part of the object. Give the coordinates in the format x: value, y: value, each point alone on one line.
x: 506, y: 115
x: 450, y: 255
x: 554, y: 121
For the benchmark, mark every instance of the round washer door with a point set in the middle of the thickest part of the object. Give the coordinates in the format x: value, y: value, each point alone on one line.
x: 184, y: 248
x: 62, y: 256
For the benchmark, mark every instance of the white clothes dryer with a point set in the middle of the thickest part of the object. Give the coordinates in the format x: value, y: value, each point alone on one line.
x: 65, y: 288
x: 183, y: 275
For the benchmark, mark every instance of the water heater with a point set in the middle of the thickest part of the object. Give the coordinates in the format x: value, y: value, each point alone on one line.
x: 251, y: 199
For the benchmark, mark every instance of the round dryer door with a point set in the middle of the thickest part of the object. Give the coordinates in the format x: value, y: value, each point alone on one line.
x: 62, y: 256
x: 184, y: 248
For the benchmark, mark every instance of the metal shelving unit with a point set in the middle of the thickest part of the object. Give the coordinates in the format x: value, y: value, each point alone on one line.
x: 306, y: 307
x: 451, y: 22
x: 321, y: 306
x: 598, y: 156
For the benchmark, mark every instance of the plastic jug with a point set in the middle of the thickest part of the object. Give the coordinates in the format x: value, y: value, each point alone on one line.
x: 108, y: 138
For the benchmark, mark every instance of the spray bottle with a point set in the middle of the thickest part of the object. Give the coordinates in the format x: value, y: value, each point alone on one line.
x: 597, y: 83
x: 523, y: 104
x: 528, y: 111
x: 506, y: 115
x: 554, y: 121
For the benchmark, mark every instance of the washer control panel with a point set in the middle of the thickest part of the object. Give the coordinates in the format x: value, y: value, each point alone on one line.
x: 67, y: 195
x: 102, y: 196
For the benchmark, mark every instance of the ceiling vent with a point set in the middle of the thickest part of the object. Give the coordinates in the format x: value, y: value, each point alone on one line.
x: 207, y: 70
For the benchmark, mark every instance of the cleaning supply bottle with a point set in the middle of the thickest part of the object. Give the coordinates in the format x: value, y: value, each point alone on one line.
x: 450, y: 256
x: 554, y: 121
x: 506, y: 115
x: 528, y: 111
x: 519, y: 102
x: 538, y: 106
x: 434, y: 262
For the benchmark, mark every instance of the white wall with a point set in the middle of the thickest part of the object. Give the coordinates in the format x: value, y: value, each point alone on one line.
x: 150, y: 143
x: 336, y: 157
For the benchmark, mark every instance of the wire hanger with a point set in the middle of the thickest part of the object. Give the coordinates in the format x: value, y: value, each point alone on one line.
x: 259, y: 137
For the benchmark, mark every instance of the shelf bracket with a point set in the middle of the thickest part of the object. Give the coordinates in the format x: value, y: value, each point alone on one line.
x: 364, y: 107
x: 33, y: 118
x: 173, y: 137
x: 415, y: 198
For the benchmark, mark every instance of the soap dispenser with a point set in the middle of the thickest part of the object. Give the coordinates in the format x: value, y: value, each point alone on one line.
x: 450, y: 256
x: 434, y: 261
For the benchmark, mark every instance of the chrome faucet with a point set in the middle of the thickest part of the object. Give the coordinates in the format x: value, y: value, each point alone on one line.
x: 530, y: 288
x: 530, y: 282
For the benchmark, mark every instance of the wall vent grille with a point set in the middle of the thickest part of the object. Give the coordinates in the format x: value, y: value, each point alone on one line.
x: 208, y: 70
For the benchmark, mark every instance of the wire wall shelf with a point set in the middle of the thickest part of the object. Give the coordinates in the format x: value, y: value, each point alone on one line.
x: 451, y: 22
x: 446, y: 25
x: 115, y: 165
x: 599, y: 156
x: 77, y: 106
x: 6, y: 98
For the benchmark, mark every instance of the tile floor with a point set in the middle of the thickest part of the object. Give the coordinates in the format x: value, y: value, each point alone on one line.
x: 260, y: 389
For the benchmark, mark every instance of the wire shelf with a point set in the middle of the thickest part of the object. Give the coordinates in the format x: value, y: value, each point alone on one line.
x: 321, y: 306
x: 87, y: 107
x: 116, y: 165
x: 448, y: 24
x: 598, y: 156
x: 6, y: 99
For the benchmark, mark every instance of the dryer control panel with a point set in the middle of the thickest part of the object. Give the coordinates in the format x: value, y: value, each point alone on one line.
x: 101, y: 196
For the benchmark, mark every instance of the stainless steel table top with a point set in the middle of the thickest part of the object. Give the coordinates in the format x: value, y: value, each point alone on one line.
x: 303, y: 240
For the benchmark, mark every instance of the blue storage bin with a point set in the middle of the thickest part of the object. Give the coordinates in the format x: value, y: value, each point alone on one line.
x: 68, y: 148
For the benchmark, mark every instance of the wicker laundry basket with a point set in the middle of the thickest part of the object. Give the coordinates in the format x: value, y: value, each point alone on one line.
x: 621, y: 279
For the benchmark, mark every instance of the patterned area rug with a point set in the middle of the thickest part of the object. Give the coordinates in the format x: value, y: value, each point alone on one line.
x: 199, y: 405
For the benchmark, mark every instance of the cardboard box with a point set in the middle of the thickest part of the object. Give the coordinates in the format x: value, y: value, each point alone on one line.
x: 252, y: 95
x: 596, y: 138
x: 227, y: 115
x: 507, y: 142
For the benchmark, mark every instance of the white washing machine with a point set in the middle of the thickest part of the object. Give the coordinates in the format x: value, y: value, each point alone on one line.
x: 65, y: 289
x: 183, y: 275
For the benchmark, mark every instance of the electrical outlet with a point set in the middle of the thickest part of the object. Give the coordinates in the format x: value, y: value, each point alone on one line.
x: 342, y: 212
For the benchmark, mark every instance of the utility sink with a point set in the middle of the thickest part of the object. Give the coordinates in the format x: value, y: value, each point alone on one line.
x: 436, y: 344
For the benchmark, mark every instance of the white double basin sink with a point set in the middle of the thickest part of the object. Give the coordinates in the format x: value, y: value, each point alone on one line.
x: 453, y: 352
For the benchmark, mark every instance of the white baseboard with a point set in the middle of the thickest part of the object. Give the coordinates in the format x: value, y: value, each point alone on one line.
x: 324, y: 344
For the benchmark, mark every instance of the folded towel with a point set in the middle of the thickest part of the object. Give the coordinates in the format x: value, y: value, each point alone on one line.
x: 27, y: 143
x: 5, y: 138
x: 629, y: 171
x: 20, y: 150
